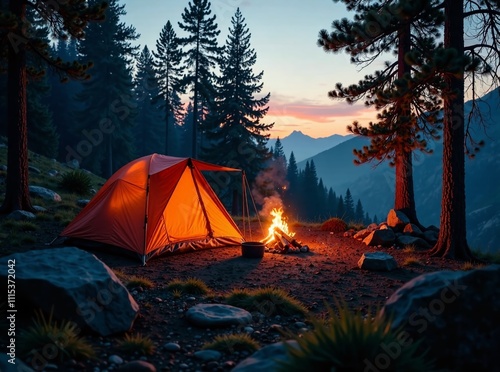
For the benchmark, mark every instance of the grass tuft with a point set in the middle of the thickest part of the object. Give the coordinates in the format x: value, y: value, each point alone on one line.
x: 233, y: 342
x: 63, y: 336
x: 347, y: 342
x: 412, y: 261
x: 410, y: 248
x: 190, y: 286
x: 138, y: 281
x: 78, y: 182
x: 137, y: 344
x: 268, y: 301
x: 467, y: 266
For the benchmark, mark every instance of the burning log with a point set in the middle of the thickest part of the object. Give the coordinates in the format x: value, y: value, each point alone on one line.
x: 289, y: 239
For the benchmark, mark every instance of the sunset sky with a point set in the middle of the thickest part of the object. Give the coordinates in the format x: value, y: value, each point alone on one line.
x: 297, y: 72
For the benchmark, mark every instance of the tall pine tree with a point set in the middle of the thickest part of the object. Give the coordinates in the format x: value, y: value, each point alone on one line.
x: 104, y: 124
x: 149, y: 129
x: 201, y: 51
x: 69, y: 17
x: 235, y: 121
x: 169, y: 71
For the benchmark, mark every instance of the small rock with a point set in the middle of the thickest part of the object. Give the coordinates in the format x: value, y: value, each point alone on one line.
x: 217, y: 315
x: 137, y: 366
x: 45, y: 193
x: 33, y: 169
x: 191, y: 299
x: 82, y: 202
x: 172, y: 346
x: 53, y: 173
x: 207, y: 355
x: 377, y: 261
x: 361, y: 234
x: 115, y: 359
x: 21, y: 215
x: 304, y: 249
x: 73, y: 164
x: 212, y: 365
x: 300, y: 325
x: 39, y: 209
x: 183, y: 366
x: 228, y: 364
x: 3, y: 168
x: 275, y: 327
x: 248, y: 330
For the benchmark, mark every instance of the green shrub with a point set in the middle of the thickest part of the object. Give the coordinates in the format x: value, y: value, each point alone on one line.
x: 268, y: 301
x: 351, y: 342
x: 335, y: 225
x: 77, y: 182
x: 63, y: 336
x: 137, y: 344
x: 232, y: 343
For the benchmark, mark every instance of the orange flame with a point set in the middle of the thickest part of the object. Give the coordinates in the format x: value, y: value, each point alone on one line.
x: 278, y: 222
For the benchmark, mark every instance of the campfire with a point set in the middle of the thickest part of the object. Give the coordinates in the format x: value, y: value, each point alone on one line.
x: 279, y: 239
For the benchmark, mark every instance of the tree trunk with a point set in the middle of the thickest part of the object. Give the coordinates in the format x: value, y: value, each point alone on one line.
x: 404, y: 194
x: 17, y: 195
x: 452, y: 241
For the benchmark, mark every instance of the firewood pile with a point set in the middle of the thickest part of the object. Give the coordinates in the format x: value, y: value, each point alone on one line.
x: 280, y: 242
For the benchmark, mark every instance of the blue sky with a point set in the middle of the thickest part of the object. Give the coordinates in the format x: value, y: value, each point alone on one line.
x: 297, y: 72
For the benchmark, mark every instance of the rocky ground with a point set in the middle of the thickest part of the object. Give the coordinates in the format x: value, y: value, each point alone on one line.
x: 326, y: 273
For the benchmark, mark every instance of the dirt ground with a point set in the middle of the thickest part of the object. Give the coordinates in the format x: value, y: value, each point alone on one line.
x: 326, y: 273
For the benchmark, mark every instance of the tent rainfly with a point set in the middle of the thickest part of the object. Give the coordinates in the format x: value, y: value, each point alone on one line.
x: 157, y: 204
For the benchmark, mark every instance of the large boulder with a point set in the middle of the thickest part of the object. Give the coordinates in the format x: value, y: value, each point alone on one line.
x: 217, y: 315
x: 412, y: 229
x: 44, y: 193
x: 456, y: 312
x: 397, y: 220
x: 407, y: 240
x: 269, y: 358
x: 377, y: 261
x: 385, y: 238
x: 361, y: 234
x: 431, y: 236
x: 76, y: 286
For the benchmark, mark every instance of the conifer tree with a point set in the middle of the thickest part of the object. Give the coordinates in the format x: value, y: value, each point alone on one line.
x: 68, y: 18
x: 332, y: 203
x: 292, y: 192
x: 235, y: 121
x: 349, y: 211
x: 200, y: 51
x: 104, y: 125
x: 341, y: 208
x: 169, y: 70
x: 359, y: 214
x: 148, y: 122
x: 399, y: 97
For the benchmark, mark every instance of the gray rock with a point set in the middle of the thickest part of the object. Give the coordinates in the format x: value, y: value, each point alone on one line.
x: 73, y: 164
x: 397, y: 220
x: 433, y: 228
x: 3, y: 168
x: 248, y: 330
x: 76, y: 286
x: 377, y: 261
x: 44, y: 193
x: 137, y: 366
x: 456, y: 312
x: 33, y: 169
x: 21, y: 215
x: 172, y: 346
x: 207, y: 355
x: 217, y: 315
x: 361, y: 234
x: 385, y: 238
x: 115, y: 359
x: 431, y: 236
x: 5, y: 366
x: 82, y: 202
x: 39, y: 208
x: 406, y: 240
x: 412, y: 229
x: 268, y: 358
x: 53, y: 173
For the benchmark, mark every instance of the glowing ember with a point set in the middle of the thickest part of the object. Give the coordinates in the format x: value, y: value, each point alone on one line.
x: 277, y: 223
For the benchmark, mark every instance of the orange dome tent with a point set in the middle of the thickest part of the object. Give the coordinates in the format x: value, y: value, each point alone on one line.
x: 157, y: 204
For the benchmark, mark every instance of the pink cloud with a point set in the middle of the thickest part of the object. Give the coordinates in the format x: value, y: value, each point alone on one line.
x: 311, y: 111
